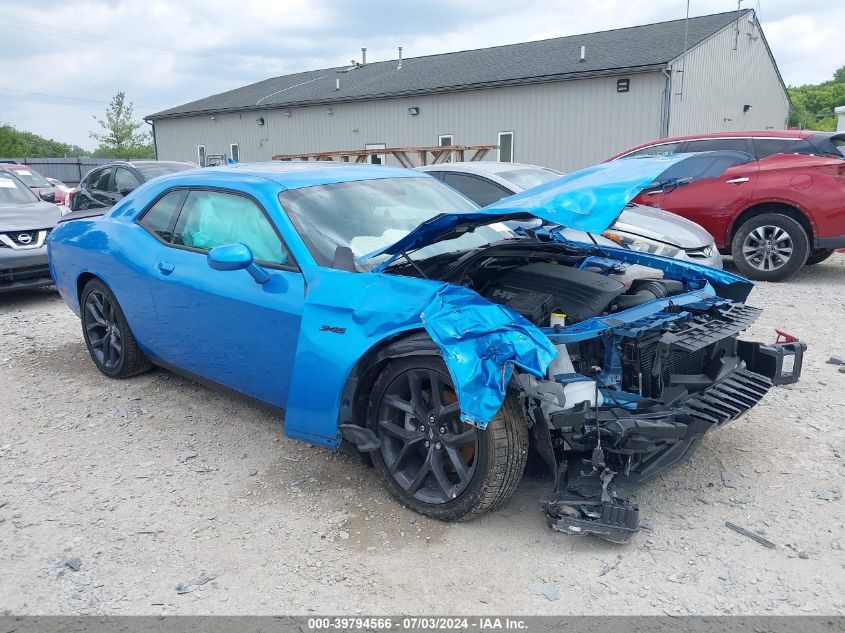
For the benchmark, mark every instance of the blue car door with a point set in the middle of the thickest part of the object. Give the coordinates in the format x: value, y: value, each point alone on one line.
x: 224, y: 326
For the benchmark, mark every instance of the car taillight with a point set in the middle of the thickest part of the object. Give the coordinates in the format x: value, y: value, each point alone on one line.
x: 69, y: 199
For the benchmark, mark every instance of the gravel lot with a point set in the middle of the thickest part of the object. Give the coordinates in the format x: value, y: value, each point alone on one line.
x: 159, y: 496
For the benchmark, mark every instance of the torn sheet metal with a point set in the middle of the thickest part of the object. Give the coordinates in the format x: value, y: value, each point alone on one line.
x: 481, y: 342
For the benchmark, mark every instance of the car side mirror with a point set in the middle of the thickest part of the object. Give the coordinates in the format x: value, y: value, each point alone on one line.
x: 344, y: 259
x: 47, y: 196
x: 236, y: 257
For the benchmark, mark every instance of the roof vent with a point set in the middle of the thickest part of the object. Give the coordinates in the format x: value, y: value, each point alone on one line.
x: 337, y: 84
x: 583, y: 53
x: 364, y: 56
x: 399, y: 67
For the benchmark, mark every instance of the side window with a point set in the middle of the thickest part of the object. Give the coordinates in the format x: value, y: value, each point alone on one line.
x: 654, y: 150
x: 714, y: 144
x: 767, y: 146
x: 160, y: 218
x: 101, y: 181
x: 124, y: 180
x: 437, y: 174
x: 480, y: 190
x: 212, y: 218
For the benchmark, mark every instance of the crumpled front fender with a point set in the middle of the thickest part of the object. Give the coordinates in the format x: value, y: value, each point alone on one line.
x: 481, y: 342
x: 346, y: 315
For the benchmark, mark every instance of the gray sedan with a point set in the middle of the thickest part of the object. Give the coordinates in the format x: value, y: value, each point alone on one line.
x: 638, y: 228
x: 25, y: 221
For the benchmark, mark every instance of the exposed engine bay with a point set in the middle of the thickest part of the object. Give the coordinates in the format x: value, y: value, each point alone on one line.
x: 538, y: 290
x: 647, y: 363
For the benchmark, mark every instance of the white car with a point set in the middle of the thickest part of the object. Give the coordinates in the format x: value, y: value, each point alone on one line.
x: 638, y: 228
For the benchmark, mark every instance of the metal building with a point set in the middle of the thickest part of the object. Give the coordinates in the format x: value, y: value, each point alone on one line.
x: 564, y: 102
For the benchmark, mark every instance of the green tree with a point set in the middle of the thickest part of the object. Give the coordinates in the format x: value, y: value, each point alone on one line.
x: 813, y: 105
x: 120, y: 137
x: 20, y: 144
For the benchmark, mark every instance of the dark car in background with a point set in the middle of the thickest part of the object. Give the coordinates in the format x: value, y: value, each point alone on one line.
x: 25, y: 222
x: 104, y: 186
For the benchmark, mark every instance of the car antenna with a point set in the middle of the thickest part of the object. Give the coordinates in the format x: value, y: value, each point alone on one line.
x: 414, y: 264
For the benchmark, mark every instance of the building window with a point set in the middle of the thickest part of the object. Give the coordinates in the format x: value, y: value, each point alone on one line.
x: 201, y: 155
x: 376, y: 159
x: 505, y: 147
x: 235, y: 152
x: 445, y: 140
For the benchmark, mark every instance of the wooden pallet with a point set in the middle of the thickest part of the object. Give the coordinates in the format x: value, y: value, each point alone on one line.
x: 427, y: 155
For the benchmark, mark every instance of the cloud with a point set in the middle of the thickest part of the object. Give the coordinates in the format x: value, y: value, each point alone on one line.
x: 165, y: 53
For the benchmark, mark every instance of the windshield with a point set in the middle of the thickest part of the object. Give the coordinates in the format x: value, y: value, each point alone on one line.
x: 367, y: 215
x: 13, y: 191
x: 32, y: 178
x: 529, y: 177
x: 154, y: 170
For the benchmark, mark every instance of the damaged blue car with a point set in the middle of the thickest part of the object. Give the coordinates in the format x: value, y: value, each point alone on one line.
x: 388, y: 315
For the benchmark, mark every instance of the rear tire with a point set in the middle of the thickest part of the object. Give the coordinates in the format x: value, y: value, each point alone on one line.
x: 109, y: 339
x: 818, y: 256
x: 464, y: 471
x: 770, y: 247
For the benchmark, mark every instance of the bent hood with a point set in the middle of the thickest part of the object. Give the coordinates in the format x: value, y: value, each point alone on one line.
x: 589, y: 200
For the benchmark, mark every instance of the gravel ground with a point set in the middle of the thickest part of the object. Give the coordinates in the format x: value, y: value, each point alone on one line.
x: 156, y: 495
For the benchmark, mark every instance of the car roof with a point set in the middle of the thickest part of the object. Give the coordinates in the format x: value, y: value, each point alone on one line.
x: 479, y: 167
x: 796, y: 134
x: 290, y: 174
x: 136, y: 163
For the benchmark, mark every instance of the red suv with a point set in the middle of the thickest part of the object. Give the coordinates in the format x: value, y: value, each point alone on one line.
x: 779, y: 205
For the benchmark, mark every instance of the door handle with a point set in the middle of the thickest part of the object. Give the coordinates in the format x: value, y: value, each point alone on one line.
x: 165, y: 268
x: 737, y: 181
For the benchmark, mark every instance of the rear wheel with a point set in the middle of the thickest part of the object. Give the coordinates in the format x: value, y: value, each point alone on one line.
x: 819, y: 255
x: 431, y: 460
x: 770, y: 247
x: 109, y: 339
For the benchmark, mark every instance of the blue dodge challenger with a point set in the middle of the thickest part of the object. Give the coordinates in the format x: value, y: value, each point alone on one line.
x: 387, y: 314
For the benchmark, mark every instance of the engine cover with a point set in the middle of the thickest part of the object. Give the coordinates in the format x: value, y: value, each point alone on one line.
x: 580, y: 294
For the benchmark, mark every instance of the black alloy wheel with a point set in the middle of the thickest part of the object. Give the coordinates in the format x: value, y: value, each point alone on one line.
x: 429, y: 459
x: 428, y: 451
x: 103, y: 332
x: 109, y: 339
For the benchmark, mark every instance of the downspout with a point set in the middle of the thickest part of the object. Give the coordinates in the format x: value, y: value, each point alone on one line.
x: 667, y: 98
x: 152, y: 124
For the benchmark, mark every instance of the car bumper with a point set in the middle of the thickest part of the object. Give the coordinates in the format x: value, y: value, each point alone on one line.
x: 22, y: 269
x: 830, y: 242
x: 594, y: 501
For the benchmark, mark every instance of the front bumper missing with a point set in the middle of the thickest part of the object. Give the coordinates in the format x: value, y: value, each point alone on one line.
x: 610, y: 451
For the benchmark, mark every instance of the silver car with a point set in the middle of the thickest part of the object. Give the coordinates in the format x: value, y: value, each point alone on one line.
x: 638, y: 228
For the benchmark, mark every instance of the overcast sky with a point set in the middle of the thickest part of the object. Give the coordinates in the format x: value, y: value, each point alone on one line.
x: 61, y: 61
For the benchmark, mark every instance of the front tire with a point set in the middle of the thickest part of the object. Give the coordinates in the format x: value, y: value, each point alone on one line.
x: 430, y: 460
x: 770, y: 247
x: 109, y: 339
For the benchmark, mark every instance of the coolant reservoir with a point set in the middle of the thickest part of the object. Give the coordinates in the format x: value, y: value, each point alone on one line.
x: 581, y: 390
x: 636, y: 271
x: 562, y: 364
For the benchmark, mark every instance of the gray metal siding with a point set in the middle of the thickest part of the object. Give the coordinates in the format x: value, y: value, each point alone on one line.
x: 718, y: 81
x: 565, y: 125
